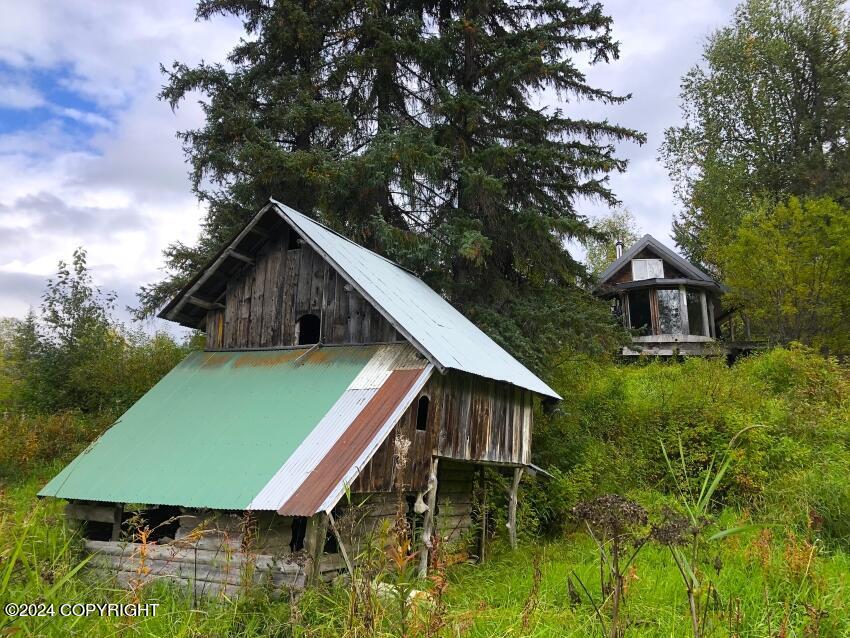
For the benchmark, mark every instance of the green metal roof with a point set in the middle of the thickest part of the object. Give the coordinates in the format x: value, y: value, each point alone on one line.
x: 214, y: 430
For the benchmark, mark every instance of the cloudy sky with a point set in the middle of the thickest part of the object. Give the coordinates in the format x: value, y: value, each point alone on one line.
x: 88, y: 155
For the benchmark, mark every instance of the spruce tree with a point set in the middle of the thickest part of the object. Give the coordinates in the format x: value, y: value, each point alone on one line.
x: 513, y: 171
x: 418, y: 129
x: 276, y: 122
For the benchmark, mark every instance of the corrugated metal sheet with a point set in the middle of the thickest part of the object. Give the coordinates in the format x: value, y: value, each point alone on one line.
x: 301, y: 465
x: 217, y: 429
x: 448, y: 338
x: 329, y: 474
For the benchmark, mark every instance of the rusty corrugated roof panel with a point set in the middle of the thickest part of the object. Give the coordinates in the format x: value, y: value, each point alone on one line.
x: 301, y: 466
x: 349, y: 453
x: 218, y: 428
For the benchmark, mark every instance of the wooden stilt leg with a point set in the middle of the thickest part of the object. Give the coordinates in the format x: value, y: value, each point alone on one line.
x: 428, y: 523
x: 314, y: 544
x: 482, y: 550
x: 512, y: 503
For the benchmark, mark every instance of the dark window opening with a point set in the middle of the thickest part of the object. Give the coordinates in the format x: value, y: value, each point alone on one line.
x: 422, y: 413
x: 669, y: 311
x: 331, y: 544
x: 640, y: 316
x: 694, y: 313
x: 293, y: 241
x: 299, y: 530
x: 307, y: 330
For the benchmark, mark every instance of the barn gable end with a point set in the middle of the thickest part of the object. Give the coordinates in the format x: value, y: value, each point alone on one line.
x: 268, y: 303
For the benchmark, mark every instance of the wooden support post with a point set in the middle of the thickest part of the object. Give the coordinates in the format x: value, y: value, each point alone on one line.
x: 683, y: 311
x: 512, y: 503
x: 712, y: 330
x: 428, y: 523
x: 348, y: 564
x: 483, y: 521
x: 314, y: 544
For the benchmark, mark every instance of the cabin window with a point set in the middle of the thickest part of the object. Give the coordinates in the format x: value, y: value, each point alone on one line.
x: 422, y: 413
x: 299, y: 531
x: 647, y: 269
x: 293, y: 241
x: 669, y: 311
x: 695, y: 326
x: 640, y: 315
x: 307, y: 330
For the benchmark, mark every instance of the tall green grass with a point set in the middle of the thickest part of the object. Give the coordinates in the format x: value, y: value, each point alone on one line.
x: 769, y: 582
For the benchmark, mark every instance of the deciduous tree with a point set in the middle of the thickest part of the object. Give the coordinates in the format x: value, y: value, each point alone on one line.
x: 766, y: 115
x: 788, y: 269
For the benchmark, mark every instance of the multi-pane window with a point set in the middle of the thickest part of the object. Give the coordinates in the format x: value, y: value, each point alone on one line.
x: 669, y: 311
x: 695, y: 326
x: 647, y: 269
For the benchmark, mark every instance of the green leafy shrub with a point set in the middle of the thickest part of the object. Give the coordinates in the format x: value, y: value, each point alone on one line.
x: 609, y: 429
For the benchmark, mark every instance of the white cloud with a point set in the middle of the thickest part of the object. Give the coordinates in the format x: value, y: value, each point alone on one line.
x: 122, y: 191
x: 119, y: 185
x: 85, y: 117
x: 19, y: 95
x: 660, y: 41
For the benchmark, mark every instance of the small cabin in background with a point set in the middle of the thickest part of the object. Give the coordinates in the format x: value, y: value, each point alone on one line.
x: 331, y: 378
x: 671, y: 306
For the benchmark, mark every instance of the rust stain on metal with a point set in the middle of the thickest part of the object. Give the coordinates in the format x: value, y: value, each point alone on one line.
x: 215, y: 360
x: 265, y: 360
x: 309, y: 497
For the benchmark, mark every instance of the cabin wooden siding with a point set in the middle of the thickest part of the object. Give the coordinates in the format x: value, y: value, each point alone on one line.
x: 469, y: 419
x: 263, y: 302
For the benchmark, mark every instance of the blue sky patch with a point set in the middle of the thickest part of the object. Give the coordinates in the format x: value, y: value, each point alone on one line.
x: 78, y: 116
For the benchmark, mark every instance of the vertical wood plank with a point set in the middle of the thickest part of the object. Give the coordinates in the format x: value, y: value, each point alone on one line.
x: 258, y: 293
x: 293, y: 265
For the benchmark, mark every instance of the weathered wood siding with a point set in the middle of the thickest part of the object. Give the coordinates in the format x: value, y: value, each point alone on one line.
x: 469, y: 419
x: 455, y: 499
x: 264, y: 301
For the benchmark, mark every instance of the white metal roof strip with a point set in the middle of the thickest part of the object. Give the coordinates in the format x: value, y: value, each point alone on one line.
x: 334, y: 423
x: 388, y: 358
x: 313, y: 449
x: 354, y: 471
x: 430, y: 322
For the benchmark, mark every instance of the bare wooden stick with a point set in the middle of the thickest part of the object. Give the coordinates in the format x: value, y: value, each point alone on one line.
x: 348, y: 563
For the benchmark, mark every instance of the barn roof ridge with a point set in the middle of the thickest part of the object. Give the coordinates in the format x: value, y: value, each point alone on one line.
x: 446, y: 337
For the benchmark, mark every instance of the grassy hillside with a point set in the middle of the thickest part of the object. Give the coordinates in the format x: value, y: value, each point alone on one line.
x: 787, y: 485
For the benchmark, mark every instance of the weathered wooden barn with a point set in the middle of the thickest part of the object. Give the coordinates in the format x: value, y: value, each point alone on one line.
x: 672, y: 306
x: 328, y: 371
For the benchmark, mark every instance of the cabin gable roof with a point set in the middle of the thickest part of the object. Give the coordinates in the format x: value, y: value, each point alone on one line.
x: 650, y: 244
